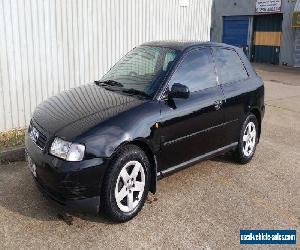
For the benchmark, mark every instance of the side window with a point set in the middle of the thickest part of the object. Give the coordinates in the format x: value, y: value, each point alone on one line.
x: 229, y: 66
x: 196, y: 71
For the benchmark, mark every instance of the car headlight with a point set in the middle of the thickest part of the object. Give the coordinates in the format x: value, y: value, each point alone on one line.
x: 67, y: 150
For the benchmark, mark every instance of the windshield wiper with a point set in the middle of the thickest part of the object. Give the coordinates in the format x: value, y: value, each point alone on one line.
x: 135, y: 92
x: 110, y: 83
x: 118, y: 84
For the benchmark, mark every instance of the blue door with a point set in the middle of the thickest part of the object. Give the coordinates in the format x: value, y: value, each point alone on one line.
x: 235, y: 31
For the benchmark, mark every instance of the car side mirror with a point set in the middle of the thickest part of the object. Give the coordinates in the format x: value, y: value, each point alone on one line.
x: 179, y: 90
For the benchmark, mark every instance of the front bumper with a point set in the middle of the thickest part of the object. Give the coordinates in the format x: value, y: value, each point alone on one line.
x: 74, y: 184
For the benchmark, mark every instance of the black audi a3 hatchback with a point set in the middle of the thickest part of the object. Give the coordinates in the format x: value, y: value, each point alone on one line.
x: 165, y: 105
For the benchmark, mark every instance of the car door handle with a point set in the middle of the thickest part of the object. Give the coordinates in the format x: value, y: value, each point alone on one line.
x: 218, y: 104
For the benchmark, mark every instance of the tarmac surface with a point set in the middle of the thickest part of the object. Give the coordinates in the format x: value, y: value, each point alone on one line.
x: 203, y: 206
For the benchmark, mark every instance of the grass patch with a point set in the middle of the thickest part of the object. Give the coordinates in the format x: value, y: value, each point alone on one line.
x: 12, y: 138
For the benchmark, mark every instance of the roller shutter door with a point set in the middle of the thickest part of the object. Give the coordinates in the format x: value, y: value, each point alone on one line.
x: 235, y: 31
x: 267, y: 38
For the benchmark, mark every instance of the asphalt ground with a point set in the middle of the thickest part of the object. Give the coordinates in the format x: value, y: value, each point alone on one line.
x: 203, y: 206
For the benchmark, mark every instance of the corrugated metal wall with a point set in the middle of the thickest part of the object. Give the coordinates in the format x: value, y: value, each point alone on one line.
x: 297, y: 48
x: 47, y: 46
x: 297, y: 39
x: 288, y: 35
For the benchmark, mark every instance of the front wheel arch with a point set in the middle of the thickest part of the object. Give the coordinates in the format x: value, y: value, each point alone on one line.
x: 108, y: 201
x: 151, y: 157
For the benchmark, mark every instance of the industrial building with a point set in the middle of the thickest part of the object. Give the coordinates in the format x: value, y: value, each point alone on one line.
x: 267, y: 30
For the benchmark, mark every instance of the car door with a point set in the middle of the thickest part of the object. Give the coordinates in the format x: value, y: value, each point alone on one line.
x: 193, y: 126
x: 233, y: 79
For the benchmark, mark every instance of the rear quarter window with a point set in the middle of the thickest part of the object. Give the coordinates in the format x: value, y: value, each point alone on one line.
x: 229, y: 66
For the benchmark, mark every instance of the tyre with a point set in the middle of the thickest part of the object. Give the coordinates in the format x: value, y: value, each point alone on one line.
x: 126, y: 184
x: 248, y: 140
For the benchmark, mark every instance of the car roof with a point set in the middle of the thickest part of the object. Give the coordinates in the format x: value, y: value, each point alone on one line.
x: 182, y: 45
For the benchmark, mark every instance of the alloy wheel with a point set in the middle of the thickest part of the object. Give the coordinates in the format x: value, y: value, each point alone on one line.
x: 130, y: 186
x: 249, y: 139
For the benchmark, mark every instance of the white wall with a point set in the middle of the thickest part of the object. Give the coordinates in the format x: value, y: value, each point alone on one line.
x: 47, y: 46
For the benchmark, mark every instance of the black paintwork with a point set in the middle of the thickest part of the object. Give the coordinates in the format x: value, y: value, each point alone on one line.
x: 174, y: 131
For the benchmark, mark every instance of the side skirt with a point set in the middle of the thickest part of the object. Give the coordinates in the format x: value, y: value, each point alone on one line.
x: 185, y: 164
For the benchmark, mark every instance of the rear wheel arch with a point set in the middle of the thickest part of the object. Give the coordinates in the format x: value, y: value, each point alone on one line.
x: 257, y: 114
x: 248, y: 139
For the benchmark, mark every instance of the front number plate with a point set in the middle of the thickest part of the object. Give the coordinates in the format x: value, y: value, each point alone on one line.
x: 32, y: 167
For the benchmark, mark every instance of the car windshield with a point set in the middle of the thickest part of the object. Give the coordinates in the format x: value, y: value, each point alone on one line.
x: 141, y: 70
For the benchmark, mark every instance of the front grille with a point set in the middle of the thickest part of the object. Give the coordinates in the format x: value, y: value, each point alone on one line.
x: 41, y: 139
x: 41, y: 142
